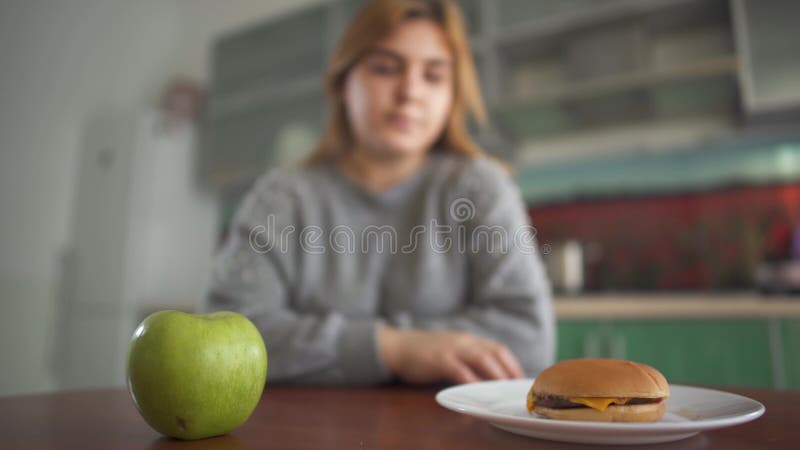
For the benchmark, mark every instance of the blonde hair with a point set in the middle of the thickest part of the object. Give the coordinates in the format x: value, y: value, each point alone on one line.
x: 372, y: 23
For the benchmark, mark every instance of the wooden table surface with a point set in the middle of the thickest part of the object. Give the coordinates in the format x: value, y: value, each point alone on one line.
x: 323, y: 418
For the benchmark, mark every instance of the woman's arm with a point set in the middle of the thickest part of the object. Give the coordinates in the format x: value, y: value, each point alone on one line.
x: 302, y: 348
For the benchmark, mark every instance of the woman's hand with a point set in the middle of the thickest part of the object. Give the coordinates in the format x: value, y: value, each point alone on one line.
x: 433, y: 356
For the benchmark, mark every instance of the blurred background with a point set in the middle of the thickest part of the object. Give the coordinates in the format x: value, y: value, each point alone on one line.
x: 656, y: 143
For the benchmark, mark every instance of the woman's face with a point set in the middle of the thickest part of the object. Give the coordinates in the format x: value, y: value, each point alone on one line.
x: 399, y: 95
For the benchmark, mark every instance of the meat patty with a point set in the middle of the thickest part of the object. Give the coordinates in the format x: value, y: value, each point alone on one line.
x: 556, y: 402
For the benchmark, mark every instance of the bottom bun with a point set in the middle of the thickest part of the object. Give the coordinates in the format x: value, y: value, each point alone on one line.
x: 650, y: 412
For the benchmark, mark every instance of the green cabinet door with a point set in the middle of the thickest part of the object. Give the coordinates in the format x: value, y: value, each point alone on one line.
x: 790, y: 330
x: 719, y: 352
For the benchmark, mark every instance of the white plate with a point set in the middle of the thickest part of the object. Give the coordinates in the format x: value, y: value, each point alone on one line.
x: 690, y: 410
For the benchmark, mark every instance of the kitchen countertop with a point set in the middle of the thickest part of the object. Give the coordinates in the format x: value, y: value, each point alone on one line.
x: 644, y: 305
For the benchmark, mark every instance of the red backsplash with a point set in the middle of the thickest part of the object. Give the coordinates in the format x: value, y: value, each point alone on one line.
x: 706, y: 240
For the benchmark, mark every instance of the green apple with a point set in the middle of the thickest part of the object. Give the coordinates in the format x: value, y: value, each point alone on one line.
x: 196, y: 376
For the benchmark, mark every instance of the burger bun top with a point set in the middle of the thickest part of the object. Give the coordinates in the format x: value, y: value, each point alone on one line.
x: 601, y: 377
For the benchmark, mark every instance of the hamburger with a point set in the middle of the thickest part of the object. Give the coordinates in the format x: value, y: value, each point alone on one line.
x: 599, y: 390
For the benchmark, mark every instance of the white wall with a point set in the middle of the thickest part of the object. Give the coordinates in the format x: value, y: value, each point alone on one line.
x: 62, y: 63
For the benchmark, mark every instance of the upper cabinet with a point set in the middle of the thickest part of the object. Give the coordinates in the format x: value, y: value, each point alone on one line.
x: 266, y: 106
x: 274, y: 54
x: 564, y: 80
x: 579, y: 80
x: 769, y: 47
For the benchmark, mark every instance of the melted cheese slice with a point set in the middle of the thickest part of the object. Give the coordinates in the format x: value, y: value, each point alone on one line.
x: 599, y: 403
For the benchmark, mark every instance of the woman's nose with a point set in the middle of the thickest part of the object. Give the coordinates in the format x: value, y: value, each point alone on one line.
x: 411, y: 86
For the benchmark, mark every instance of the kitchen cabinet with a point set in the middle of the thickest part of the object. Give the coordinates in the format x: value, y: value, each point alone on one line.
x: 734, y: 352
x: 265, y: 95
x: 570, y: 67
x: 269, y: 134
x: 790, y: 334
x: 766, y: 37
x: 566, y: 80
x: 520, y: 12
x: 755, y: 162
x: 271, y: 54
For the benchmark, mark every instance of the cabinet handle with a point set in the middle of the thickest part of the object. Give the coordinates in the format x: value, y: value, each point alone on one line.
x: 617, y: 346
x: 604, y: 342
x: 591, y: 345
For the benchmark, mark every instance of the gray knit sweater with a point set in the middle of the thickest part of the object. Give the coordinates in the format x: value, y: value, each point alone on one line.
x: 318, y: 264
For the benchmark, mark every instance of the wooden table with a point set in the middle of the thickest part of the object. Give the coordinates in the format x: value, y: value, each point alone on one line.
x: 320, y: 418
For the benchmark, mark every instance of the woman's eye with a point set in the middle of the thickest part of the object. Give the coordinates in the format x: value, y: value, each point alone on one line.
x: 383, y: 68
x: 434, y: 78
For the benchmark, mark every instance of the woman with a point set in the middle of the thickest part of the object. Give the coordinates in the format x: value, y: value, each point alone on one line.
x: 386, y: 256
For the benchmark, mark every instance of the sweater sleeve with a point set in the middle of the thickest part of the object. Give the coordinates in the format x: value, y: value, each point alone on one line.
x: 509, y: 296
x: 253, y: 274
